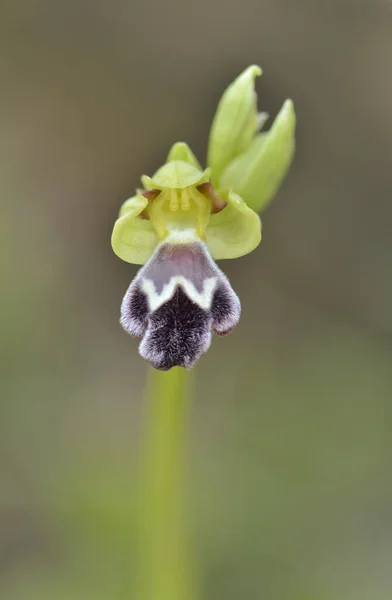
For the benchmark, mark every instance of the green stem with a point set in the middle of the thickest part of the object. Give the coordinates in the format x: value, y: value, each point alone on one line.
x: 165, y: 565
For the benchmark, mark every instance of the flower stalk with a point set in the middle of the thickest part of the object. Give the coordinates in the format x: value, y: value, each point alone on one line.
x: 165, y: 567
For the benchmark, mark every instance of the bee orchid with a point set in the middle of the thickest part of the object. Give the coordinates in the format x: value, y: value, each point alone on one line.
x: 184, y: 218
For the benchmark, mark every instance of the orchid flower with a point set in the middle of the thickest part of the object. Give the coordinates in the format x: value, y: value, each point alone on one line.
x: 186, y: 217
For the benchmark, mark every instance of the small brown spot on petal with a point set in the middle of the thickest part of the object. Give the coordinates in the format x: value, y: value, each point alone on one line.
x: 207, y: 190
x: 150, y: 195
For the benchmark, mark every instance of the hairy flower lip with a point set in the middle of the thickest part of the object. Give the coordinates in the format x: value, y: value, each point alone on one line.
x: 174, y: 304
x: 223, y: 333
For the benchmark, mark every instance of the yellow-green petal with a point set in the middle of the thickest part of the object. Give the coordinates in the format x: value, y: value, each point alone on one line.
x: 234, y: 231
x: 134, y: 239
x: 176, y: 174
x: 258, y: 173
x: 235, y: 122
x: 181, y: 151
x: 133, y: 204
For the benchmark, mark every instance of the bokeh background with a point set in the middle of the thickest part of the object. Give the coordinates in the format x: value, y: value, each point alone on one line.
x: 291, y: 421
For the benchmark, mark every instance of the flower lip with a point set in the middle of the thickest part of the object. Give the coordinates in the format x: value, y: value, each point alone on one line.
x: 174, y: 304
x: 179, y: 331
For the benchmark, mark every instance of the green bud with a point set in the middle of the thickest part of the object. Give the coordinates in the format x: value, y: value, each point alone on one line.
x: 257, y: 173
x: 235, y: 122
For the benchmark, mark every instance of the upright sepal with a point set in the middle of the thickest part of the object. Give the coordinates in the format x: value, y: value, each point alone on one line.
x: 235, y: 122
x: 181, y: 151
x: 258, y: 173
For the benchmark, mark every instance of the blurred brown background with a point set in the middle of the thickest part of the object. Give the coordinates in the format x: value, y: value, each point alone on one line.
x: 292, y: 447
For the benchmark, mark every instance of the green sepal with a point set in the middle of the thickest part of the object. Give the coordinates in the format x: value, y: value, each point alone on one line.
x: 237, y: 169
x: 176, y: 174
x: 258, y: 173
x: 235, y: 122
x: 234, y: 231
x: 134, y: 239
x: 181, y: 151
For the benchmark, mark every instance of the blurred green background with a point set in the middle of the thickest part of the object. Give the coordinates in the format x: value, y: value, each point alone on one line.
x: 291, y: 422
